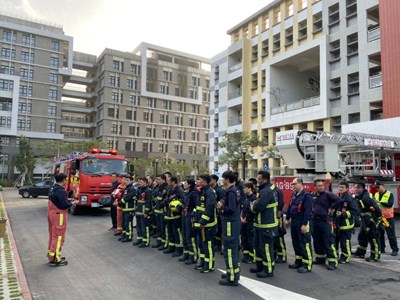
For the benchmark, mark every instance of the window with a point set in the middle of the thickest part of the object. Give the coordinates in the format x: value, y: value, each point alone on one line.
x: 289, y: 9
x: 177, y: 92
x: 53, y: 78
x: 6, y: 85
x: 177, y: 120
x: 265, y: 23
x: 52, y: 110
x: 146, y: 116
x: 5, y: 122
x: 113, y: 81
x: 191, y: 122
x: 179, y: 135
x: 277, y: 15
x: 195, y: 81
x: 55, y: 46
x: 148, y: 132
x: 24, y: 125
x: 28, y: 40
x: 193, y: 136
x: 26, y: 74
x: 25, y: 90
x: 164, y: 133
x: 150, y: 102
x: 113, y: 113
x: 24, y: 108
x: 129, y: 83
x: 145, y: 147
x: 129, y: 114
x: 9, y: 36
x: 5, y: 141
x: 135, y: 69
x: 54, y: 62
x: 51, y: 126
x: 164, y: 89
x: 134, y: 100
x: 116, y: 129
x: 176, y: 148
x: 302, y: 4
x: 118, y: 65
x: 28, y: 57
x: 6, y: 69
x: 164, y: 104
x: 206, y: 137
x: 205, y: 123
x: 7, y: 53
x: 207, y: 83
x: 52, y: 94
x: 167, y: 75
x: 180, y: 106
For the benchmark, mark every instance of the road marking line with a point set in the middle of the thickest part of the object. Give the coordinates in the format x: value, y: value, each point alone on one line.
x: 268, y: 291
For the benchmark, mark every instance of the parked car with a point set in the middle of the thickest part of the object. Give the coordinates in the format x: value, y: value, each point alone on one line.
x: 40, y: 188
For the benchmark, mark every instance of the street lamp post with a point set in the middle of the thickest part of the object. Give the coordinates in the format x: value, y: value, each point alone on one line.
x: 156, y: 166
x: 244, y: 150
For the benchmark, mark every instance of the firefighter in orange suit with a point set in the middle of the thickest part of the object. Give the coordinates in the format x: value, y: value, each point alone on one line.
x: 117, y: 194
x: 58, y: 205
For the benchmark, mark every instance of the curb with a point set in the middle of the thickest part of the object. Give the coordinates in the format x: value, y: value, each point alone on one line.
x: 25, y: 291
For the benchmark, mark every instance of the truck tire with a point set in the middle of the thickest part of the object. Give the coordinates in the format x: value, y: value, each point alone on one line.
x: 74, y: 210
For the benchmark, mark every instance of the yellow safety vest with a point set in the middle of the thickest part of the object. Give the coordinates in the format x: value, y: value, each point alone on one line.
x: 387, y: 212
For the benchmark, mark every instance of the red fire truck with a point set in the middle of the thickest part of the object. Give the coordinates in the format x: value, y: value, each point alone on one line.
x: 89, y: 175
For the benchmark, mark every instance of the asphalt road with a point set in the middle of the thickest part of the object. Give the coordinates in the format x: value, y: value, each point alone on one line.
x: 100, y: 267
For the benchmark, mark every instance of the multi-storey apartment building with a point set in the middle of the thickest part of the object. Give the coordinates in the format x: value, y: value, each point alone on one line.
x: 152, y: 102
x: 35, y: 62
x: 304, y: 64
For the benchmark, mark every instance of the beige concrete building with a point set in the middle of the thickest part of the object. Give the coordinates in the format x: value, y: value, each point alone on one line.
x: 152, y: 102
x: 296, y: 64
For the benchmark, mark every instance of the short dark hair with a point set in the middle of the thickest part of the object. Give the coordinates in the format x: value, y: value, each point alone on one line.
x: 316, y: 181
x: 144, y: 179
x: 191, y: 182
x: 168, y: 173
x: 215, y: 177
x: 206, y: 177
x: 173, y: 179
x: 230, y: 176
x: 361, y: 184
x: 129, y: 176
x: 299, y: 180
x: 253, y: 181
x: 249, y: 185
x: 60, y: 177
x: 344, y: 183
x: 162, y: 176
x: 264, y: 174
x: 114, y: 174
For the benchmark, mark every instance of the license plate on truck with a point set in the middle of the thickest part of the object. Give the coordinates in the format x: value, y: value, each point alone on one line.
x: 95, y: 205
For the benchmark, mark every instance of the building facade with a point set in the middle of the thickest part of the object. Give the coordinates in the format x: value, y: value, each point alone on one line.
x: 303, y: 64
x: 152, y: 102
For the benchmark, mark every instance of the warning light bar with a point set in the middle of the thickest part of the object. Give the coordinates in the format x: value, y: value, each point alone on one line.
x: 110, y: 151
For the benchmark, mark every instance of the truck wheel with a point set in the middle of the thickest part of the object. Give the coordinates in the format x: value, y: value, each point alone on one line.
x: 26, y: 194
x: 74, y: 209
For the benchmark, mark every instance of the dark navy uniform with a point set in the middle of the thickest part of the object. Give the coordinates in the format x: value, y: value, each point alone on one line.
x: 230, y: 217
x: 190, y: 246
x: 265, y: 229
x: 323, y: 232
x: 220, y: 193
x: 205, y: 223
x: 143, y: 216
x: 279, y: 243
x: 247, y: 230
x: 370, y: 213
x: 173, y: 219
x: 127, y: 202
x: 345, y: 225
x: 160, y: 192
x: 299, y: 213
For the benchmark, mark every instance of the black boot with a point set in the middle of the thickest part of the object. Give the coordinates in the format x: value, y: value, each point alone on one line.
x: 185, y: 257
x: 200, y: 265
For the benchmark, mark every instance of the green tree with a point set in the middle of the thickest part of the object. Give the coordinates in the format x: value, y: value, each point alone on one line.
x: 25, y: 160
x: 233, y: 145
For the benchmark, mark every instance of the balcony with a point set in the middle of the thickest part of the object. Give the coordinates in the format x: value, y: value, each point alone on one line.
x: 374, y: 34
x: 235, y: 67
x: 233, y: 121
x: 299, y: 104
x: 235, y: 93
x: 375, y: 81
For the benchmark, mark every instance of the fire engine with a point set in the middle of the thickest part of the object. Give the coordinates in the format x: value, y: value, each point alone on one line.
x: 89, y: 175
x: 346, y: 156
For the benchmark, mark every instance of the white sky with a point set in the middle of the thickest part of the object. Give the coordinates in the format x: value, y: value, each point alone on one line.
x: 197, y: 27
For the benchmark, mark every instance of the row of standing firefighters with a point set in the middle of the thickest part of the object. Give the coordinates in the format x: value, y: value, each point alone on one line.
x: 193, y: 221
